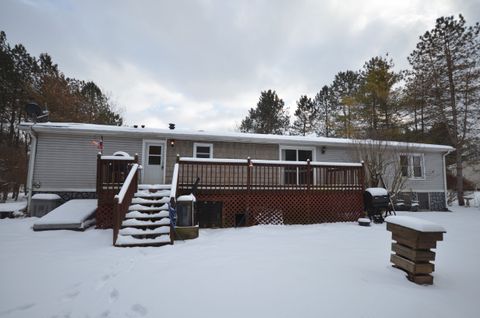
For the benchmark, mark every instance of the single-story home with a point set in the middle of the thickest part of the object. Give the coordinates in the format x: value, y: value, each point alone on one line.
x: 63, y: 156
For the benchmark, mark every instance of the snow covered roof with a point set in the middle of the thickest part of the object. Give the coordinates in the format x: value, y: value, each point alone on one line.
x: 200, y: 135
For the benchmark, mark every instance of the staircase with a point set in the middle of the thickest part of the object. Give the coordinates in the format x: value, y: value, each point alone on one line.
x: 147, y: 221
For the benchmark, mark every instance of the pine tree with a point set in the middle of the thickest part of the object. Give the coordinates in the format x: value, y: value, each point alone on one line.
x: 269, y: 117
x: 344, y: 98
x: 305, y: 117
x: 448, y: 57
x: 326, y: 112
x: 375, y: 95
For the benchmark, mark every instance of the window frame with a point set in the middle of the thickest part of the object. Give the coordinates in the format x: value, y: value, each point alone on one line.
x: 298, y: 172
x: 410, y: 166
x: 198, y: 144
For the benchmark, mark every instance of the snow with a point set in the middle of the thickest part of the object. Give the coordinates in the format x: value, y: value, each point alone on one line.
x: 135, y: 231
x: 117, y: 158
x: 377, y: 191
x: 140, y: 215
x: 134, y: 222
x: 218, y: 136
x: 326, y: 270
x: 186, y: 198
x: 154, y: 186
x: 126, y: 183
x: 128, y: 240
x: 72, y: 213
x: 46, y: 196
x: 13, y: 206
x: 415, y: 223
x: 139, y: 207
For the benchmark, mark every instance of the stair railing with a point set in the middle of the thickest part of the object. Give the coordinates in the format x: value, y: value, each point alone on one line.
x: 172, y: 204
x: 123, y: 199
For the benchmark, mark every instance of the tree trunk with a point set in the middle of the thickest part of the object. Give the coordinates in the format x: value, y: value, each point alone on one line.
x: 459, y: 167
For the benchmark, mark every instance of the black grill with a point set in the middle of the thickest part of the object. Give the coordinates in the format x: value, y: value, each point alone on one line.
x: 376, y: 205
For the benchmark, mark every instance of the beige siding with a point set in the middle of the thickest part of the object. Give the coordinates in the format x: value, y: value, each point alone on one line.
x: 68, y: 162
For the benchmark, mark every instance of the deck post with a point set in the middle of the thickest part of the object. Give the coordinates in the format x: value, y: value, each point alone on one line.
x: 99, y: 173
x: 249, y: 180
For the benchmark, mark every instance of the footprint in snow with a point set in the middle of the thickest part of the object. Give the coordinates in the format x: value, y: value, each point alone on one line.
x: 70, y: 295
x: 139, y: 309
x: 114, y: 294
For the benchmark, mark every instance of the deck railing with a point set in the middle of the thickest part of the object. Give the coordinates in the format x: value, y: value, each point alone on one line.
x: 249, y: 174
x: 123, y: 199
x: 112, y: 171
x: 251, y: 192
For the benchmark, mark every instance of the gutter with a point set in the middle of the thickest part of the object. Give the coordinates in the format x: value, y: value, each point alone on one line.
x: 445, y: 175
x: 31, y: 166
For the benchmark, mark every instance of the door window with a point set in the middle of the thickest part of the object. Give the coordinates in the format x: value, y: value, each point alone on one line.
x: 294, y: 175
x: 154, y: 155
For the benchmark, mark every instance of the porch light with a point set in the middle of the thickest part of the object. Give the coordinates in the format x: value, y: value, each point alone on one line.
x: 172, y: 142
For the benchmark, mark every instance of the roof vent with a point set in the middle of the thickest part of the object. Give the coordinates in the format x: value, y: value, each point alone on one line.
x: 135, y: 126
x: 143, y: 126
x: 171, y: 126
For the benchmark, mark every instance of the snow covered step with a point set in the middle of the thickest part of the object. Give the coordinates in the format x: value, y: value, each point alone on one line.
x: 150, y: 201
x: 139, y: 207
x: 154, y: 186
x: 148, y: 194
x: 145, y: 223
x: 135, y: 231
x: 140, y: 215
x: 124, y: 240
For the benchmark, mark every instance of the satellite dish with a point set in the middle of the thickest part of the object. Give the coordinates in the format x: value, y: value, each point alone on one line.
x: 35, y: 112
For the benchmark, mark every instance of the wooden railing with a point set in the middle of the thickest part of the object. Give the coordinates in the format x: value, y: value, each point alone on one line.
x: 123, y: 199
x: 233, y: 174
x: 111, y: 174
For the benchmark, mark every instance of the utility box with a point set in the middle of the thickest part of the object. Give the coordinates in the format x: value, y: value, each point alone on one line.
x: 42, y: 203
x: 185, y: 226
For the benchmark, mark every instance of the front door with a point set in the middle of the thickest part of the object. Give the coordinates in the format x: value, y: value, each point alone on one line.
x: 153, y: 163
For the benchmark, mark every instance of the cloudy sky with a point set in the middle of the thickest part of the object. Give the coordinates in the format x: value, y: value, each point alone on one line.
x: 202, y: 64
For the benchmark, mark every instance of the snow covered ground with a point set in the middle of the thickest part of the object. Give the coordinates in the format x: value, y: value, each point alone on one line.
x: 326, y: 270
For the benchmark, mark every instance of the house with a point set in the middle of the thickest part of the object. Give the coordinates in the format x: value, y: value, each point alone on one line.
x: 277, y: 172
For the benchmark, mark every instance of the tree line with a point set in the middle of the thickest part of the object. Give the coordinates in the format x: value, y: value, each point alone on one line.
x: 436, y: 100
x: 24, y: 79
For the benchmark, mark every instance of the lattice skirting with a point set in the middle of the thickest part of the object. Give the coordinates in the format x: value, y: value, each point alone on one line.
x: 287, y: 207
x: 104, y: 216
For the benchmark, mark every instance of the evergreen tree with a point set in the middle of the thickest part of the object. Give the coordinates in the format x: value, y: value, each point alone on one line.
x: 448, y: 57
x: 344, y: 91
x: 376, y: 97
x: 269, y: 117
x: 305, y: 117
x: 326, y: 112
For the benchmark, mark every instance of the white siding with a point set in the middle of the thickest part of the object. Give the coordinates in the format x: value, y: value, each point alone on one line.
x: 68, y: 162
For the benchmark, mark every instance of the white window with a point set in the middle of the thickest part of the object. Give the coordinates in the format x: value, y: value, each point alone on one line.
x: 202, y: 150
x: 294, y: 175
x: 412, y: 166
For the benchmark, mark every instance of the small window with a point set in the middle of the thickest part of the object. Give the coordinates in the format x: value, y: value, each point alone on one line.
x: 411, y: 166
x: 155, y: 155
x: 203, y: 150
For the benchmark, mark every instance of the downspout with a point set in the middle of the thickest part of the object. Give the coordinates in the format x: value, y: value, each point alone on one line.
x: 31, y: 166
x: 445, y: 177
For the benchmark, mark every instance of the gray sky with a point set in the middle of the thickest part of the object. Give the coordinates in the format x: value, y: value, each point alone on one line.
x: 202, y: 64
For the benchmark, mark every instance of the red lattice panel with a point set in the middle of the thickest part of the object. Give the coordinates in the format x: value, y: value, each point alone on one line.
x: 287, y: 207
x: 104, y: 216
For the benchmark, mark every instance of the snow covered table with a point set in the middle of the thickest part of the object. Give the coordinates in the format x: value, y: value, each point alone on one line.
x: 412, y: 250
